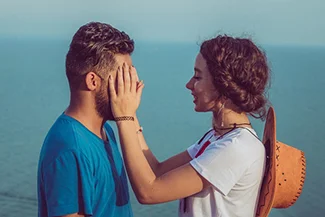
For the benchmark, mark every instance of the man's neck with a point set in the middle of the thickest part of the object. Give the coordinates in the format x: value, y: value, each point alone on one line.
x: 88, y: 117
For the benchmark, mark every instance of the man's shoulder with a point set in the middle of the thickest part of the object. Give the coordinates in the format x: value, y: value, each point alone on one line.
x: 61, y: 138
x: 62, y: 131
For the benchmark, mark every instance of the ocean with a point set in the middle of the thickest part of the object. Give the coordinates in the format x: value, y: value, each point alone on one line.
x: 34, y: 92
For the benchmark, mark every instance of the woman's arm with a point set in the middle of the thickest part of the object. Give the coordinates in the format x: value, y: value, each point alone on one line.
x: 159, y: 168
x: 150, y: 189
x: 178, y: 183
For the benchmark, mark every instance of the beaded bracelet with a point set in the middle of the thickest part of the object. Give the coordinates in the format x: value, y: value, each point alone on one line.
x: 140, y: 130
x: 124, y: 118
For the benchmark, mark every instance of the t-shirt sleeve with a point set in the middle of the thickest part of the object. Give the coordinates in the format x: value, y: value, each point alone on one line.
x: 68, y: 185
x: 193, y: 149
x: 223, y: 163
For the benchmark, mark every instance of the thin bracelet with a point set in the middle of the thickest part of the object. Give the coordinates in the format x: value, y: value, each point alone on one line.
x: 140, y: 130
x: 124, y: 118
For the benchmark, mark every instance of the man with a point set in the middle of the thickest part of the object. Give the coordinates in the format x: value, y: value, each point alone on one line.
x: 80, y: 170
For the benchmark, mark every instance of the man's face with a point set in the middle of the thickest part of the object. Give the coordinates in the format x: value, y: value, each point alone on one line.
x: 102, y: 102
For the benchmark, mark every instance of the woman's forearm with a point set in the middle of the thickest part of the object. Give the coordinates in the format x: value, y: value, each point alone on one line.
x: 159, y: 168
x: 140, y: 173
x: 152, y: 160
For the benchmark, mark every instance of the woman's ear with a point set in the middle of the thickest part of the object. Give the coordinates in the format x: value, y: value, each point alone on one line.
x: 220, y: 99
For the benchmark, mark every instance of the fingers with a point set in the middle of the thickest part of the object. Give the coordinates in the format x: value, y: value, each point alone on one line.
x: 111, y: 85
x: 120, y: 81
x: 134, y: 79
x: 126, y: 77
x: 139, y: 84
x: 139, y: 89
x: 137, y: 77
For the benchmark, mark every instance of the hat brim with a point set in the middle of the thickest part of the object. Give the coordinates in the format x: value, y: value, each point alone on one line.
x: 267, y: 192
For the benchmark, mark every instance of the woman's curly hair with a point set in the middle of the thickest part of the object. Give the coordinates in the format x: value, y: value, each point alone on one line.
x: 240, y: 72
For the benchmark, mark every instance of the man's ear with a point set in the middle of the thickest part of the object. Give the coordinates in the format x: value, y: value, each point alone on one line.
x: 92, y: 81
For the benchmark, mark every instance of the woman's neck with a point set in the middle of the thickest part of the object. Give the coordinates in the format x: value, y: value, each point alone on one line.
x: 228, y: 119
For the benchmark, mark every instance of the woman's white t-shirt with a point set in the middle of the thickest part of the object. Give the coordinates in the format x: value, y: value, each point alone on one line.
x: 234, y: 165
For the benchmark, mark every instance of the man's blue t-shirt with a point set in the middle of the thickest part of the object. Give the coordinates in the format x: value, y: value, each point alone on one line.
x: 79, y: 172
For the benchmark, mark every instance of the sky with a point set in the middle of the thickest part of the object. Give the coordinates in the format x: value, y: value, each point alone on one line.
x: 292, y: 22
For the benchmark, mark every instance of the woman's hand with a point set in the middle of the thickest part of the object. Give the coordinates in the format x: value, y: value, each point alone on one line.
x: 126, y: 99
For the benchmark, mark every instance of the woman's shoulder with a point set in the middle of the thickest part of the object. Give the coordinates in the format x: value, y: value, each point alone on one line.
x: 243, y: 141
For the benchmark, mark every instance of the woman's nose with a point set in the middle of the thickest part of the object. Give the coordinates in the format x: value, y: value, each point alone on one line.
x: 189, y: 84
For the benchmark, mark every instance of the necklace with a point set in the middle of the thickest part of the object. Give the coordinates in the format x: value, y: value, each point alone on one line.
x: 212, y: 139
x: 235, y: 125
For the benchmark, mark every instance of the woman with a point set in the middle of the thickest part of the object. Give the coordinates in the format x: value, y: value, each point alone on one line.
x: 221, y: 174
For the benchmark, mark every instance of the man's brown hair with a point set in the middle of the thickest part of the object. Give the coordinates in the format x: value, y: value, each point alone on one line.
x: 92, y: 49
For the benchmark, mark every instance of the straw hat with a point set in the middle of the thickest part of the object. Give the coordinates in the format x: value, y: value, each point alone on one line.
x: 284, y: 172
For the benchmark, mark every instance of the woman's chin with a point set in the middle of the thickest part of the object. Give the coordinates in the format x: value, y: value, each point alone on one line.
x: 198, y: 109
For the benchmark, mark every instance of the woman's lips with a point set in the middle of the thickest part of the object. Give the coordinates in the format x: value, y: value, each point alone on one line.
x: 195, y: 98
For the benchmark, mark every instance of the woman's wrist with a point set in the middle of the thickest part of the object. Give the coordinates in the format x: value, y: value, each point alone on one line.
x: 137, y: 125
x: 130, y: 119
x: 124, y: 118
